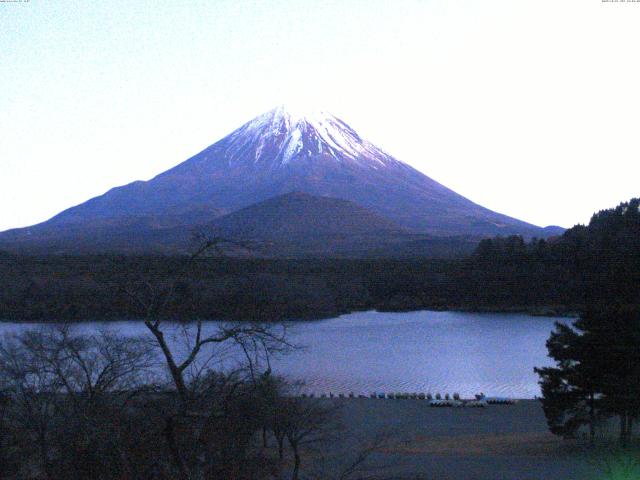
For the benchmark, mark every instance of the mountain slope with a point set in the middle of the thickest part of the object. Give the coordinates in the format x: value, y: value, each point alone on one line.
x: 293, y: 225
x: 301, y: 225
x: 298, y: 215
x: 274, y: 154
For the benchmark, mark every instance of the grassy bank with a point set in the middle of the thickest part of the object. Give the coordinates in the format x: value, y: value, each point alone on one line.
x: 493, y: 443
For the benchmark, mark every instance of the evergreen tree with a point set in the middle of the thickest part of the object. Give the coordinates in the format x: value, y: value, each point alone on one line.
x: 615, y: 334
x: 597, y: 372
x: 570, y: 390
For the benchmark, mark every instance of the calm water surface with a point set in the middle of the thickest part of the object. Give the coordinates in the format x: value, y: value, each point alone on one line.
x: 409, y: 352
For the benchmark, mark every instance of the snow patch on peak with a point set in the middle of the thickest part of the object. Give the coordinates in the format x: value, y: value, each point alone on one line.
x: 293, y: 147
x: 280, y: 136
x: 296, y: 113
x: 322, y: 126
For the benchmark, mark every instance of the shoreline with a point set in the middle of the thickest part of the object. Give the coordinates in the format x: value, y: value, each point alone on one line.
x: 548, y: 311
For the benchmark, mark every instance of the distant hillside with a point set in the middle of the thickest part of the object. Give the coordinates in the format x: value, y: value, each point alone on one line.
x: 298, y: 215
x: 299, y: 225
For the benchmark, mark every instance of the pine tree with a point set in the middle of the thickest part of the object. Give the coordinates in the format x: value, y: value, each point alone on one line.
x: 570, y: 390
x: 597, y: 372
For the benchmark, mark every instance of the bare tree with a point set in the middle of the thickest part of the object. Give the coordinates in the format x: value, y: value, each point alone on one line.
x: 189, y: 367
x: 34, y: 394
x: 89, y: 367
x: 67, y: 393
x: 306, y: 423
x: 154, y: 303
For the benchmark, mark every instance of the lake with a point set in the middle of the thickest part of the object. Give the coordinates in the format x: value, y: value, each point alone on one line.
x: 422, y: 351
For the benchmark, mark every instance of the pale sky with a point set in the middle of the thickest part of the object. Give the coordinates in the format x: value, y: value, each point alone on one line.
x: 528, y: 107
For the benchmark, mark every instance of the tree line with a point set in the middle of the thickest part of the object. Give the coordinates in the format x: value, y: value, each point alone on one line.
x: 558, y: 275
x: 75, y: 288
x: 597, y: 371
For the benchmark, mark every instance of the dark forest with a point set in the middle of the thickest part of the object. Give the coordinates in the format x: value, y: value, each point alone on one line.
x: 561, y: 275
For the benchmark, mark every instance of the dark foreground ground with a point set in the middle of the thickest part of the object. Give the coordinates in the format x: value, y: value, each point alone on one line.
x: 492, y: 443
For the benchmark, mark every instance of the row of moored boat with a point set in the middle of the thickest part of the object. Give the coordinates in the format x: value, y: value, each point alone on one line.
x: 438, y: 401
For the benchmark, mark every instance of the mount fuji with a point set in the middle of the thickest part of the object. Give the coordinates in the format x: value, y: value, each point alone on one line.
x: 275, y: 154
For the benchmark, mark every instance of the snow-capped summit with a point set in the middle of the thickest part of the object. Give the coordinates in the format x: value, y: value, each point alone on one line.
x: 286, y: 134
